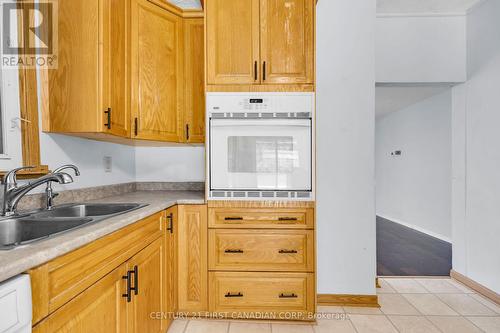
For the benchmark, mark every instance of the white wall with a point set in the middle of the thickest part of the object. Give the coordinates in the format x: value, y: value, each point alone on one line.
x: 420, y: 48
x: 345, y: 146
x: 415, y: 188
x: 476, y: 153
x: 170, y: 164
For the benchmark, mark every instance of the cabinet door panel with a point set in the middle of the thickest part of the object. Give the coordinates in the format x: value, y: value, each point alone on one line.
x: 149, y: 277
x: 156, y: 72
x: 232, y: 41
x: 195, y: 80
x: 170, y: 280
x: 192, y: 258
x: 101, y: 308
x: 287, y: 41
x: 115, y: 77
x: 70, y: 109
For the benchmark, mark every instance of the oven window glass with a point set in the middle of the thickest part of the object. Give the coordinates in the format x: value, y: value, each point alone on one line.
x: 262, y: 154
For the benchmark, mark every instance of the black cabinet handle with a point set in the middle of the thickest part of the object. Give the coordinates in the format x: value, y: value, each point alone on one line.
x: 287, y: 219
x: 170, y: 226
x: 108, y: 113
x: 136, y: 126
x: 292, y: 295
x: 233, y: 295
x: 135, y: 288
x: 128, y: 294
x: 233, y: 218
x: 287, y: 251
x: 255, y: 70
x: 187, y: 132
x: 264, y: 71
x: 234, y: 251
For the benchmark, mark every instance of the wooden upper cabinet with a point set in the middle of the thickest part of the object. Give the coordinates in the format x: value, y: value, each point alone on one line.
x: 91, y: 77
x: 287, y: 41
x: 194, y: 110
x: 232, y: 41
x: 156, y: 73
x: 260, y: 42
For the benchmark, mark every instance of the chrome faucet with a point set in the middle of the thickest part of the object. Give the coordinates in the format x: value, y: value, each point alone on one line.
x: 13, y: 193
x: 49, y: 192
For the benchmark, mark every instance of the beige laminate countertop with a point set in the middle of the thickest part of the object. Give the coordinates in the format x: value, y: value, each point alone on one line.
x: 23, y: 258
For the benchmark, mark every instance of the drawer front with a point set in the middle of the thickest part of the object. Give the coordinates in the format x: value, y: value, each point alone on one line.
x: 262, y: 293
x: 261, y: 250
x: 275, y: 218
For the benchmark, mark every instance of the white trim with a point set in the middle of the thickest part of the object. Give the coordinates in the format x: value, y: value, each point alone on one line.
x: 414, y: 227
x: 423, y: 14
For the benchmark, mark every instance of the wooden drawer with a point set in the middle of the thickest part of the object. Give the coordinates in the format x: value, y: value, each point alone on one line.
x: 275, y: 218
x: 274, y: 294
x: 60, y: 280
x: 261, y: 250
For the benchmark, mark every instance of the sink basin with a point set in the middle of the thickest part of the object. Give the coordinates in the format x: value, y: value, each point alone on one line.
x: 18, y: 230
x: 86, y: 210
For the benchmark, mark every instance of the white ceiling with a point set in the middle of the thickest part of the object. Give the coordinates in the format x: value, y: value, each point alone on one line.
x: 424, y: 6
x: 188, y: 4
x: 390, y: 99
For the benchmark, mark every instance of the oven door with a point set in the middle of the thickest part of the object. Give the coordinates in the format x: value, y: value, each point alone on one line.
x: 261, y: 154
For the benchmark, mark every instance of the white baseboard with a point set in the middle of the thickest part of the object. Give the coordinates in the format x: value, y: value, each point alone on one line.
x: 414, y: 227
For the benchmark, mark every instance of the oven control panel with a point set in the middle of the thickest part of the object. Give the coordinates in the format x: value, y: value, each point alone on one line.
x: 235, y: 103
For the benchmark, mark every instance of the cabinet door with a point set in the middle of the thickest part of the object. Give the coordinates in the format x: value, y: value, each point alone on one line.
x: 100, y: 308
x: 73, y: 98
x: 194, y: 80
x: 192, y: 258
x: 156, y: 73
x: 170, y: 280
x: 232, y: 41
x: 115, y: 70
x: 147, y: 273
x: 287, y: 41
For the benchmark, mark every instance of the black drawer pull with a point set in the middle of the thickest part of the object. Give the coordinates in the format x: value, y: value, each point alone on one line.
x: 288, y: 251
x: 233, y: 218
x: 288, y: 219
x: 233, y: 251
x: 233, y: 295
x: 128, y: 294
x: 292, y: 295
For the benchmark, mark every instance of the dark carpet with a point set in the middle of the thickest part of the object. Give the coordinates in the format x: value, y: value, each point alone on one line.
x: 402, y: 251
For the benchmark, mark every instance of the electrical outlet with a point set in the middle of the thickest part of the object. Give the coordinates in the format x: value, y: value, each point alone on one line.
x: 108, y: 163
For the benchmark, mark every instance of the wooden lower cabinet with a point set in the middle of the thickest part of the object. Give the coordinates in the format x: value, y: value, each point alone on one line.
x: 281, y: 296
x: 170, y: 282
x: 100, y: 308
x: 192, y: 258
x: 147, y: 273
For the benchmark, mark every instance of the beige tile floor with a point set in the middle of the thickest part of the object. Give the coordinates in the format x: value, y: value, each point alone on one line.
x: 408, y: 305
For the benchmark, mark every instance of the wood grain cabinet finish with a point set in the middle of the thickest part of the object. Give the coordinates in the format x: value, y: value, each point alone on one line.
x: 243, y: 218
x: 170, y: 220
x: 156, y: 72
x: 261, y: 250
x: 62, y: 279
x: 275, y: 294
x: 194, y: 76
x: 100, y: 308
x: 287, y: 41
x: 261, y: 42
x: 232, y: 41
x: 90, y: 82
x: 192, y: 258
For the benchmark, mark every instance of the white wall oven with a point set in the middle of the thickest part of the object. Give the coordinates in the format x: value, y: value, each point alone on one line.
x: 260, y: 146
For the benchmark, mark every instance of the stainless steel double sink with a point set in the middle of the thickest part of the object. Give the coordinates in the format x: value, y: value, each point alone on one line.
x: 23, y: 229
